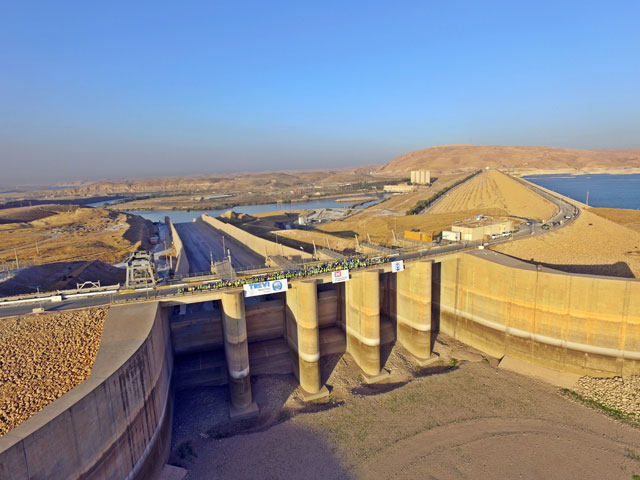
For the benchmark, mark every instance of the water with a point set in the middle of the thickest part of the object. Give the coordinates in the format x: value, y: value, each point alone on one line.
x: 104, y: 202
x: 611, y: 191
x: 179, y: 216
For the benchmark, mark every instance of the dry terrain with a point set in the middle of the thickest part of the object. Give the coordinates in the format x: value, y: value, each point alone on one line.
x: 591, y: 244
x: 493, y: 192
x: 463, y: 418
x: 70, y: 234
x: 42, y: 357
x: 471, y: 157
x: 623, y: 216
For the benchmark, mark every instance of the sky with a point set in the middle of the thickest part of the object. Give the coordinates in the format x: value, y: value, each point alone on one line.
x: 116, y: 90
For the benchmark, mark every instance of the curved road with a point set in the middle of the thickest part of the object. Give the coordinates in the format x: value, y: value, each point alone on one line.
x: 199, y: 238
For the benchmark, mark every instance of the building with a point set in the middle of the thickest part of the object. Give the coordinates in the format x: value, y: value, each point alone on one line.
x: 400, y: 188
x: 418, y: 236
x: 420, y: 177
x: 477, y: 231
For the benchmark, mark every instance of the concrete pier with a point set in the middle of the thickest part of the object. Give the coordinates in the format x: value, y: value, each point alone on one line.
x: 362, y: 322
x: 413, y: 309
x: 234, y: 326
x: 303, y: 336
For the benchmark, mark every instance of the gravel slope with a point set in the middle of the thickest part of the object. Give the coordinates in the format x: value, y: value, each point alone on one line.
x: 42, y: 357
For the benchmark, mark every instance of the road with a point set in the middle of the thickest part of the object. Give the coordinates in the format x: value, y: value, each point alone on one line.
x: 199, y: 238
x: 202, y: 241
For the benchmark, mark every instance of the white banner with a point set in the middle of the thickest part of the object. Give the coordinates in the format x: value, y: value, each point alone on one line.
x: 340, y: 276
x: 397, y: 266
x: 265, y: 288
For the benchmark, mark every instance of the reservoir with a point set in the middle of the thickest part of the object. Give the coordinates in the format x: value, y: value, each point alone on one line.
x: 181, y: 216
x: 610, y: 191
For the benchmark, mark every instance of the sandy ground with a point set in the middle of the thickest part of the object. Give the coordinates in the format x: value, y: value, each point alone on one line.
x: 73, y: 234
x: 495, y: 193
x: 623, y: 216
x: 42, y: 357
x: 591, y: 244
x: 463, y: 418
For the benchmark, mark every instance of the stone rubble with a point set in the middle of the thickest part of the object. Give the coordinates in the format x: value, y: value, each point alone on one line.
x: 42, y: 357
x: 620, y: 393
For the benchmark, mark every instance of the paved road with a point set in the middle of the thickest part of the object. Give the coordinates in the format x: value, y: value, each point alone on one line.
x: 202, y: 241
x: 199, y: 238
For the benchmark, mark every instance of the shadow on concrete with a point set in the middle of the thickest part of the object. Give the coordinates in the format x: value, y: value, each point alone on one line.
x: 436, y: 275
x: 327, y: 365
x: 618, y: 269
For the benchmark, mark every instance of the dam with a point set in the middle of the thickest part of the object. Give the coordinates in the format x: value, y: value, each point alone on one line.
x: 117, y: 424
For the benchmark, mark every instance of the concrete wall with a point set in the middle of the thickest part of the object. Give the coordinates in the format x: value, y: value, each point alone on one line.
x: 259, y: 245
x: 182, y: 263
x: 116, y: 424
x: 577, y: 323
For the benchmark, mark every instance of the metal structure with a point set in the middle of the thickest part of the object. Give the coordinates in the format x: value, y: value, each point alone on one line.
x: 141, y: 270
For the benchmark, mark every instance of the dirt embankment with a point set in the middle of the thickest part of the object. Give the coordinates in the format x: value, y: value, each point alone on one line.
x: 495, y: 193
x: 42, y: 357
x: 623, y: 216
x: 591, y: 244
x: 72, y: 234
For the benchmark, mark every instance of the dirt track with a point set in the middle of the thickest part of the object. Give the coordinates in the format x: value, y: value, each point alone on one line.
x: 471, y: 420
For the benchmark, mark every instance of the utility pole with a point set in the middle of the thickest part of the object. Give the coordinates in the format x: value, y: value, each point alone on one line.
x: 587, y: 198
x: 223, y: 249
x: 37, y: 249
x: 17, y: 263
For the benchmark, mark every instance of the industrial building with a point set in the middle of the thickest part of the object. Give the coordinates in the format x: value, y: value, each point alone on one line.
x: 400, y: 188
x: 480, y: 230
x: 418, y: 236
x: 420, y: 177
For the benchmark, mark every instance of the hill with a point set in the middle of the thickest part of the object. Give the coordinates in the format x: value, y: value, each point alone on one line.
x: 470, y: 157
x: 493, y: 192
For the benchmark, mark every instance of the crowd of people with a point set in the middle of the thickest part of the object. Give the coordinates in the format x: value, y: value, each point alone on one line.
x: 349, y: 263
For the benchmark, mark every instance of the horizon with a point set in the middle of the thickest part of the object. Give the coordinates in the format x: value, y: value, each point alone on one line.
x: 147, y: 91
x: 229, y: 174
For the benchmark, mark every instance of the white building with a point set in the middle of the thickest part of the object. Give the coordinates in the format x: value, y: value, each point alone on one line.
x: 420, y: 177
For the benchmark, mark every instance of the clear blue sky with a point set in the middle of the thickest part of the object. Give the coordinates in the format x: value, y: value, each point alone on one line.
x: 128, y: 89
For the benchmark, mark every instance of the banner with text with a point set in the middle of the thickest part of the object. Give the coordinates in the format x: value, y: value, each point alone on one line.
x: 340, y: 276
x: 397, y: 266
x: 265, y: 288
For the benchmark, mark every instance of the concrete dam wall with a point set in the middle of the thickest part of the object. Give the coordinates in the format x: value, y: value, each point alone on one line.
x: 259, y: 245
x: 114, y: 425
x: 182, y: 262
x: 583, y: 324
x: 117, y: 424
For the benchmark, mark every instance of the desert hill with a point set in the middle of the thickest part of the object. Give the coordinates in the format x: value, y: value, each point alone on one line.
x: 232, y: 182
x: 469, y: 157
